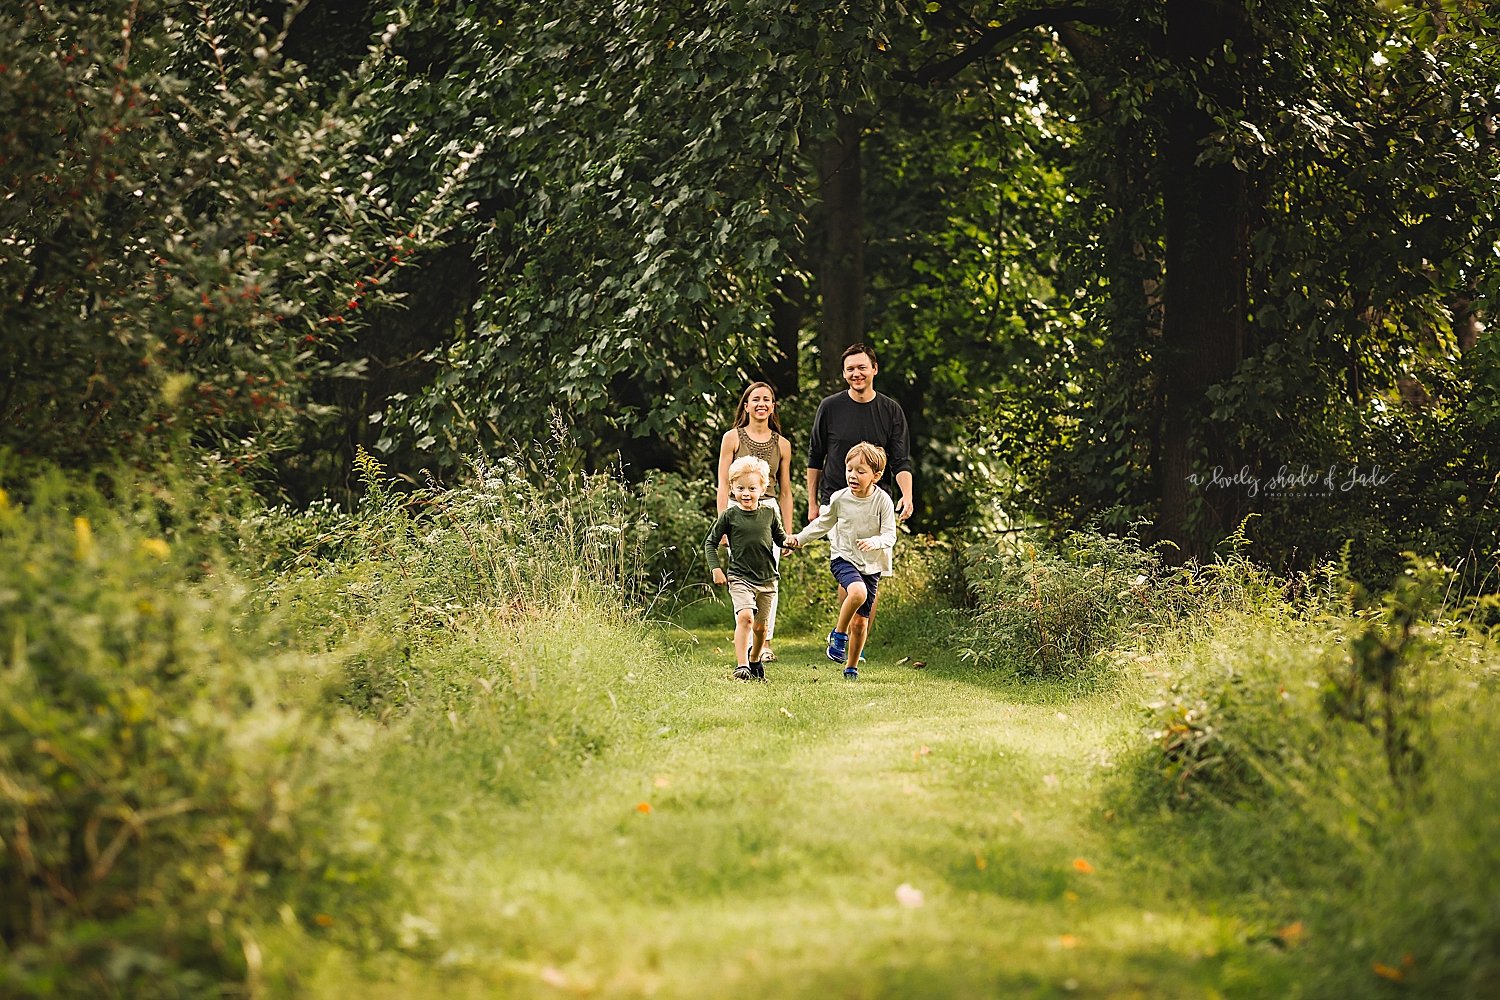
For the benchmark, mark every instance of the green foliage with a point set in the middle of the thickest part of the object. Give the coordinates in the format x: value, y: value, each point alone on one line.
x: 678, y: 511
x: 1375, y: 688
x: 189, y: 222
x: 634, y: 200
x: 1379, y: 872
x: 1231, y: 718
x: 159, y: 772
x: 1049, y: 608
x: 409, y: 564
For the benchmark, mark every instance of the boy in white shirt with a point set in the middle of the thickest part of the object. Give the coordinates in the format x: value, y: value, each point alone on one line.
x: 860, y: 521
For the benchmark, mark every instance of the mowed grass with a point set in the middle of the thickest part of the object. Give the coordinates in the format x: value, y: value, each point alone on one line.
x: 930, y: 832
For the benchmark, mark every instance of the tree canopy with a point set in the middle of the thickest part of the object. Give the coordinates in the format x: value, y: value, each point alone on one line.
x: 1113, y: 255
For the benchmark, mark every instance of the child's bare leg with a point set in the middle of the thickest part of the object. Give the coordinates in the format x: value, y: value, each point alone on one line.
x: 859, y: 630
x: 771, y: 620
x: 757, y: 640
x: 742, y: 622
x: 853, y: 597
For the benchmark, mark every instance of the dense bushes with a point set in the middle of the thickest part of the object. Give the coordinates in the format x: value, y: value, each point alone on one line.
x: 187, y: 694
x: 192, y: 223
x: 158, y: 782
x: 1045, y: 608
x: 1332, y: 755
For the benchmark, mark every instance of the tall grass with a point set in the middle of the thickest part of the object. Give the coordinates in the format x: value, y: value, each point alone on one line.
x: 1331, y: 765
x: 158, y: 786
x: 191, y: 693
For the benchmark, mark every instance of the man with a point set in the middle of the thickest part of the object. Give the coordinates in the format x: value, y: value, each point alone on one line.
x: 844, y: 420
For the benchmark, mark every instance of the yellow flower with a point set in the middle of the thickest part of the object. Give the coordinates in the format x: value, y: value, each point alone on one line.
x: 83, y: 537
x: 156, y: 547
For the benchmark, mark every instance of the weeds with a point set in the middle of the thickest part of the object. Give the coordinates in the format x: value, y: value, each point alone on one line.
x: 1049, y: 609
x: 157, y: 778
x: 1270, y: 792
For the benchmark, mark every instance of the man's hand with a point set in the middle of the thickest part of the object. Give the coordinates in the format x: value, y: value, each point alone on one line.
x: 719, y: 577
x: 905, y: 507
x: 813, y: 510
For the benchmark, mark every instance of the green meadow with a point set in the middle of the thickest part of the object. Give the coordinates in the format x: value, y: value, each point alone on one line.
x: 394, y: 752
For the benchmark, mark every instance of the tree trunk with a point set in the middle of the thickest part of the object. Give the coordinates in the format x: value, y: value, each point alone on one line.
x: 841, y: 278
x: 787, y: 300
x: 1203, y: 330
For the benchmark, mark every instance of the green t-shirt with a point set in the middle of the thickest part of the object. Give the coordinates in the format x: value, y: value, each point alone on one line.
x: 752, y: 535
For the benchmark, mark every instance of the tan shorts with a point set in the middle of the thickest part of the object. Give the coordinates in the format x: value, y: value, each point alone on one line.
x: 755, y: 597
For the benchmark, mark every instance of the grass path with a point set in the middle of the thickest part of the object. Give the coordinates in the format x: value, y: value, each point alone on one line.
x: 917, y: 833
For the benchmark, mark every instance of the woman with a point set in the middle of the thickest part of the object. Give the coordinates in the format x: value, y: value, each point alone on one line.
x: 757, y: 432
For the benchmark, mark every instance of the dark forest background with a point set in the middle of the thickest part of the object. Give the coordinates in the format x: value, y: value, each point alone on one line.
x: 1123, y: 263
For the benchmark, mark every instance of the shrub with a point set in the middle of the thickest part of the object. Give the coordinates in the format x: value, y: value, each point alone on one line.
x: 678, y: 512
x: 409, y: 564
x: 1241, y: 709
x: 158, y: 780
x: 1045, y: 608
x: 1379, y: 827
x: 193, y: 225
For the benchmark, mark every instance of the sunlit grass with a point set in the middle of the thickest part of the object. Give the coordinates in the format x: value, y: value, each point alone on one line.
x: 774, y: 839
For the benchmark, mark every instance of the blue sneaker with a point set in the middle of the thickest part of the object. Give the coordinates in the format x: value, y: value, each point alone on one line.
x: 851, y: 672
x: 838, y: 646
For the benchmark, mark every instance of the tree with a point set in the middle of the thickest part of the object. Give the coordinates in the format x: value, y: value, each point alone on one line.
x: 1241, y: 135
x: 186, y: 230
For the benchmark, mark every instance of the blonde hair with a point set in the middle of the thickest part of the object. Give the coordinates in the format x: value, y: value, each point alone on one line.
x: 742, y: 467
x: 873, y: 455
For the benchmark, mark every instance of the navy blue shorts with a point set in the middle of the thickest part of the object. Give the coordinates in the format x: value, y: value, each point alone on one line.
x: 845, y: 572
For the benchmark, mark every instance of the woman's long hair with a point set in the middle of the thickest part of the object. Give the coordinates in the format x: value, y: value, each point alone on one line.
x: 742, y: 412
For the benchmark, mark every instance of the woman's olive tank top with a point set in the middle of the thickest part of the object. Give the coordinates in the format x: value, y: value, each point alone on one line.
x: 767, y: 451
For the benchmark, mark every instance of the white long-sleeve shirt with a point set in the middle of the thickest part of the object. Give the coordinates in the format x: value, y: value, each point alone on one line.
x: 847, y: 520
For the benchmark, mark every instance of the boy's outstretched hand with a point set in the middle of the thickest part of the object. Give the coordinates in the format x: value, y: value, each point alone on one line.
x: 791, y: 543
x: 719, y: 577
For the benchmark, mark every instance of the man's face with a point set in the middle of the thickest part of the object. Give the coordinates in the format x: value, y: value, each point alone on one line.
x: 859, y: 372
x: 747, y: 491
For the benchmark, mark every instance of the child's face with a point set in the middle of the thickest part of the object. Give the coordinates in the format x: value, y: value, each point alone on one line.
x: 860, y: 476
x: 747, y: 491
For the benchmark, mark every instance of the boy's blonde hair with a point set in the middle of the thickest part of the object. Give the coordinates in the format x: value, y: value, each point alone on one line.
x: 742, y: 467
x: 873, y: 454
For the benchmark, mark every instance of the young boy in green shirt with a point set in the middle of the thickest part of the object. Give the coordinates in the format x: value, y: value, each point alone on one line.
x: 752, y: 529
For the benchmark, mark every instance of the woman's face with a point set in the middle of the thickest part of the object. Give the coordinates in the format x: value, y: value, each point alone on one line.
x: 760, y: 404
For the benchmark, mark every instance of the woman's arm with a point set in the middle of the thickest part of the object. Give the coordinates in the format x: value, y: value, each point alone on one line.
x: 784, y: 482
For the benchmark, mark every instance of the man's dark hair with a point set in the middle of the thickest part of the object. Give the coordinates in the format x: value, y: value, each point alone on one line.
x: 859, y: 349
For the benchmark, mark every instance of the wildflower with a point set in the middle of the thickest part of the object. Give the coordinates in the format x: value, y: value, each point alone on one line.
x: 83, y: 537
x: 1080, y: 865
